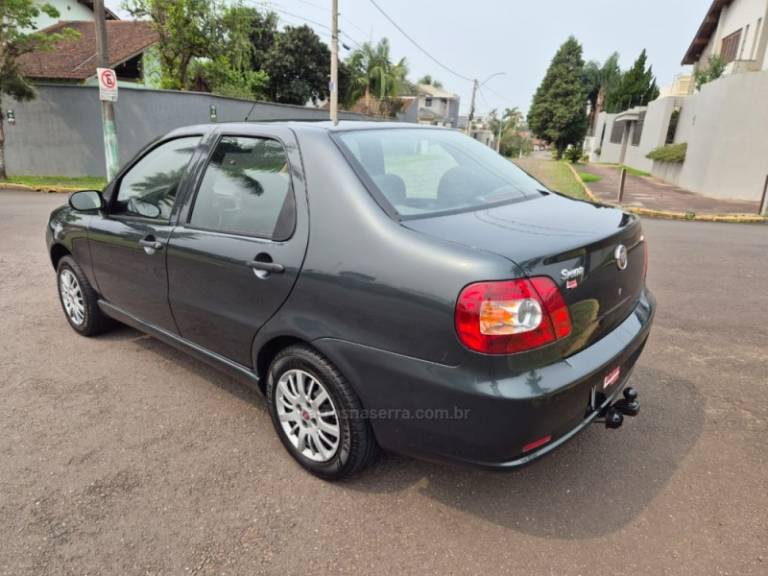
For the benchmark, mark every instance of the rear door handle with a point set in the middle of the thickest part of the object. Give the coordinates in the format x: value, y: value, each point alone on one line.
x: 271, y: 267
x: 150, y: 244
x: 263, y: 266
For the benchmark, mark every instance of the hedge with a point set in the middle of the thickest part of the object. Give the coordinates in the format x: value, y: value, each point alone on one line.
x: 673, y: 153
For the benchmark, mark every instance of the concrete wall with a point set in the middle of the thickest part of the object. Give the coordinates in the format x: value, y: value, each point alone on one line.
x: 654, y: 133
x: 609, y: 152
x: 726, y: 128
x: 669, y: 172
x: 59, y: 133
x: 657, y: 117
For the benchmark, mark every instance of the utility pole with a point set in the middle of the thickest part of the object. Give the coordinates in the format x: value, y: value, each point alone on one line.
x: 334, y: 87
x: 472, y: 107
x: 107, y: 108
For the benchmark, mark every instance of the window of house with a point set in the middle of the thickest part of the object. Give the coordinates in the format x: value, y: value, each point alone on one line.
x: 149, y: 188
x: 617, y: 132
x: 730, y: 46
x: 246, y: 190
x: 428, y: 102
x: 637, y: 133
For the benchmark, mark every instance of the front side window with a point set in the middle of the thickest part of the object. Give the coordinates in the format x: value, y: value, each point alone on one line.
x: 149, y: 188
x: 246, y: 190
x: 427, y: 171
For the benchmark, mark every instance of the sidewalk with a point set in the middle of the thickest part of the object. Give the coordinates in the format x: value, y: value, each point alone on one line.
x: 654, y: 194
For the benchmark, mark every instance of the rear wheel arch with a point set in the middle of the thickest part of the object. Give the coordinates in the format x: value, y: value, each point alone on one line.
x: 58, y: 251
x: 267, y: 353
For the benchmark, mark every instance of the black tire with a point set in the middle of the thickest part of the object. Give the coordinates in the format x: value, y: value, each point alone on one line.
x: 93, y: 319
x: 357, y: 445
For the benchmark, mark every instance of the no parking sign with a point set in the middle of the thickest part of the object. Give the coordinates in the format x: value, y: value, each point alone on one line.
x: 107, y: 84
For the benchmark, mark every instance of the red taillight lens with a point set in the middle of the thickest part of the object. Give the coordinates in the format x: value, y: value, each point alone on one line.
x: 511, y: 315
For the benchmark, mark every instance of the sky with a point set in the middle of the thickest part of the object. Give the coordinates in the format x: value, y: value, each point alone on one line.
x: 480, y: 38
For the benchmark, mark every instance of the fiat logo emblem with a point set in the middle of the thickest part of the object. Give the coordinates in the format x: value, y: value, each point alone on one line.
x: 621, y: 257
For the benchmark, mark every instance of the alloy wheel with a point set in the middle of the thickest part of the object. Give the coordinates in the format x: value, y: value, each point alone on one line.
x: 72, y: 297
x: 307, y: 415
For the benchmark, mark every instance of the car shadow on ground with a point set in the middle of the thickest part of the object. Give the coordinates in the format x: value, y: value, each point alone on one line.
x: 592, y: 486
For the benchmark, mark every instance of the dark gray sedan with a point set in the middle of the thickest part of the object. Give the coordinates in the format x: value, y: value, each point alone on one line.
x: 383, y: 285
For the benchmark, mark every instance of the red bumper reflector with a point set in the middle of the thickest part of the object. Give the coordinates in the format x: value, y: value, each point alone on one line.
x: 536, y: 443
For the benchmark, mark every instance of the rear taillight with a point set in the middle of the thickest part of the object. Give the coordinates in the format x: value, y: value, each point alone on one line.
x: 511, y: 315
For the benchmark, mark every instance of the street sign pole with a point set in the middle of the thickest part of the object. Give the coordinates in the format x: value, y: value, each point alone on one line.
x: 111, y: 154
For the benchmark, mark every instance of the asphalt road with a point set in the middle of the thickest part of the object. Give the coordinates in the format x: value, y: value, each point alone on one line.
x: 119, y: 455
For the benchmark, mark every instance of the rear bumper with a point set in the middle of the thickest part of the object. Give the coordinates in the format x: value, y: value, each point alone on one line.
x: 486, y: 415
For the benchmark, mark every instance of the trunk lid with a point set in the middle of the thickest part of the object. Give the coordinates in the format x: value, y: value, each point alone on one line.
x: 574, y: 243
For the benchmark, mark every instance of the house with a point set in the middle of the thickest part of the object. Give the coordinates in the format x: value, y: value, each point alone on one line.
x: 437, y: 106
x: 723, y: 123
x: 71, y: 10
x: 75, y: 61
x: 735, y: 31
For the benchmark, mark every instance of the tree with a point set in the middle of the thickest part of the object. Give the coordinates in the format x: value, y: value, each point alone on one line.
x: 558, y: 111
x: 185, y: 28
x: 298, y: 65
x: 713, y: 70
x: 599, y: 81
x: 229, y: 68
x: 263, y: 32
x: 373, y: 73
x: 637, y: 87
x: 427, y: 79
x: 18, y: 35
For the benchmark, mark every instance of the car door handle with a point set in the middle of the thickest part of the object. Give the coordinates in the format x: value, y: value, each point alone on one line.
x: 271, y: 267
x: 263, y: 266
x: 150, y: 244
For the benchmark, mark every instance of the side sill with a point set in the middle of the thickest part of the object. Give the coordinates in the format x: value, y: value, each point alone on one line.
x: 238, y: 371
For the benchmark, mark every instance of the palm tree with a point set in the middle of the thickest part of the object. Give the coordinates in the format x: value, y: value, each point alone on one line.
x: 373, y: 72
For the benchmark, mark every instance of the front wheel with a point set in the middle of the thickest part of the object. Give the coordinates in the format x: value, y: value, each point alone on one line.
x: 79, y: 300
x: 317, y: 415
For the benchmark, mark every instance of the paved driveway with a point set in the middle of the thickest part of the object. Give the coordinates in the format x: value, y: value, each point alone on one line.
x: 653, y: 193
x: 119, y: 455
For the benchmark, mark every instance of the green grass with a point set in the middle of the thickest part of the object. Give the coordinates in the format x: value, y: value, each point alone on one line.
x: 84, y: 182
x: 634, y: 171
x: 554, y: 174
x: 588, y: 177
x: 631, y: 171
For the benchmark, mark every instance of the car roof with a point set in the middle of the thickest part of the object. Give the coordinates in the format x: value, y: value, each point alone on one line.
x: 306, y: 125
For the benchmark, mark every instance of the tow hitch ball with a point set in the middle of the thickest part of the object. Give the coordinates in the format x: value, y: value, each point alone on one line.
x: 627, y: 406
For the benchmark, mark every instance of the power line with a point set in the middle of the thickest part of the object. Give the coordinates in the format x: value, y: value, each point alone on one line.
x: 325, y: 27
x: 281, y: 8
x: 412, y: 41
x: 497, y: 94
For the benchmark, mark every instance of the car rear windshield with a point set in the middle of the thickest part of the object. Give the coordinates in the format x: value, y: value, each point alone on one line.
x: 423, y: 172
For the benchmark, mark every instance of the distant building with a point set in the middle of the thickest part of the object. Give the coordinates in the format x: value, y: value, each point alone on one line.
x: 437, y: 106
x: 682, y: 85
x: 75, y: 61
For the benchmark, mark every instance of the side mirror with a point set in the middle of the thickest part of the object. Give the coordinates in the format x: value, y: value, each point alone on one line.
x: 86, y: 201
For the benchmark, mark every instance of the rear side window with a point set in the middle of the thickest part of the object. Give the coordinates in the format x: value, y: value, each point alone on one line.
x: 149, y: 187
x: 246, y: 190
x: 423, y: 172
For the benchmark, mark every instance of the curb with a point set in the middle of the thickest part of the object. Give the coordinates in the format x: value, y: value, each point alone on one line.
x: 47, y: 189
x: 669, y: 215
